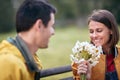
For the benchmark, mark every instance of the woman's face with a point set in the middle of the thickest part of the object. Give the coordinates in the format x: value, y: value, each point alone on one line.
x: 99, y: 33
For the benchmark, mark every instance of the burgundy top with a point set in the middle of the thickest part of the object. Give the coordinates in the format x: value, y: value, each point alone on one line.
x: 110, y: 63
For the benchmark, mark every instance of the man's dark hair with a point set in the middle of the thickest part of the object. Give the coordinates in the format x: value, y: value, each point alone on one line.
x: 32, y: 10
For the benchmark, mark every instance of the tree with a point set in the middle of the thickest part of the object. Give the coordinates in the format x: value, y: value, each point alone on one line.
x: 6, y: 16
x: 114, y: 7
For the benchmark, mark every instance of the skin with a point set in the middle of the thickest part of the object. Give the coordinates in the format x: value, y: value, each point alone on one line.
x: 38, y: 36
x: 44, y: 33
x: 85, y: 67
x: 99, y: 35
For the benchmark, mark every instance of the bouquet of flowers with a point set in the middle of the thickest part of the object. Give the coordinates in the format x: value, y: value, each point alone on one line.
x: 85, y: 51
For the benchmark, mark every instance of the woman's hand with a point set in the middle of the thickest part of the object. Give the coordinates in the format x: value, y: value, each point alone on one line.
x: 84, y: 67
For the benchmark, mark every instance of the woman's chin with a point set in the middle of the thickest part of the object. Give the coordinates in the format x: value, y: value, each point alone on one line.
x: 97, y: 44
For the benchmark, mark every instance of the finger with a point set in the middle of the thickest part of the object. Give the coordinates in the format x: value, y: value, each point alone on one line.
x: 82, y: 65
x: 82, y: 68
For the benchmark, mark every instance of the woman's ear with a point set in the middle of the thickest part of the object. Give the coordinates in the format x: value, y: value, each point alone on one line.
x: 111, y: 32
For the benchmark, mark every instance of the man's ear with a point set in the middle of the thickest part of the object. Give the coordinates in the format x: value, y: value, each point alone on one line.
x: 38, y: 24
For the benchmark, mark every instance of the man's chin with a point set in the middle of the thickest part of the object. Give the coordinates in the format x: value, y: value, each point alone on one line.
x: 44, y: 47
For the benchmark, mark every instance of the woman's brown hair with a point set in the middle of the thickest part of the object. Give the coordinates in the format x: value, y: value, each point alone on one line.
x: 107, y: 18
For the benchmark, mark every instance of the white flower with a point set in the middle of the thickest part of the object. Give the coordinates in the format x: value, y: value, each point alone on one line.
x: 86, y: 51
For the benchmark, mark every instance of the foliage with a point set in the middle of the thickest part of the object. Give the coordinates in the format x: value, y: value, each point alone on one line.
x: 68, y: 10
x: 6, y: 16
x: 79, y: 8
x: 114, y: 7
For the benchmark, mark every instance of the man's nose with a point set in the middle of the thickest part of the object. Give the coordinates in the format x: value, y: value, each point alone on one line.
x: 53, y: 32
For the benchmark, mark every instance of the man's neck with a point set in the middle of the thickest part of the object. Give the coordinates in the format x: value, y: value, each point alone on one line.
x: 29, y: 42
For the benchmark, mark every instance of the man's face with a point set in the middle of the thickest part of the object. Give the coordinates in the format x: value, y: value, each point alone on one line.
x: 46, y: 33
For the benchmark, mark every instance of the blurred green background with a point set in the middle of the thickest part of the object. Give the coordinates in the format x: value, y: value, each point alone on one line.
x: 71, y: 25
x: 69, y: 12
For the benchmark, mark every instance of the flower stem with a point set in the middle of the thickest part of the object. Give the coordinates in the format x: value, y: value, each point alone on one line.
x: 83, y: 77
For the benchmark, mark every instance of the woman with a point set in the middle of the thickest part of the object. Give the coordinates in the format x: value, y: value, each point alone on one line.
x: 103, y: 31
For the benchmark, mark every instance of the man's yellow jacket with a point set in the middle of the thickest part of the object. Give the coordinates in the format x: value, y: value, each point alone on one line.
x: 12, y: 63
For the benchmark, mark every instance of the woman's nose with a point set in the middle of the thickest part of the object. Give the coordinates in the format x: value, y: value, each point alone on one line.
x: 94, y: 34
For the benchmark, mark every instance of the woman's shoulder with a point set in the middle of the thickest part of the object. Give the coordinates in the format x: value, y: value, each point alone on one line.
x: 118, y: 46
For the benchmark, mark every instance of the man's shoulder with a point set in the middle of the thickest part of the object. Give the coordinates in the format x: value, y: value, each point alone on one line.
x: 10, y: 60
x: 10, y: 55
x: 11, y: 65
x: 7, y: 48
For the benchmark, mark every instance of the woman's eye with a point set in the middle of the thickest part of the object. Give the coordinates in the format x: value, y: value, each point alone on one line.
x: 91, y: 31
x: 99, y: 30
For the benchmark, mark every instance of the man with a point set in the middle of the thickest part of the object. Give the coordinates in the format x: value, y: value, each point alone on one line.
x: 34, y: 26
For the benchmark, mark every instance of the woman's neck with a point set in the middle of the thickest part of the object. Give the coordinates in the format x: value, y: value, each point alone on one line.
x: 106, y: 50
